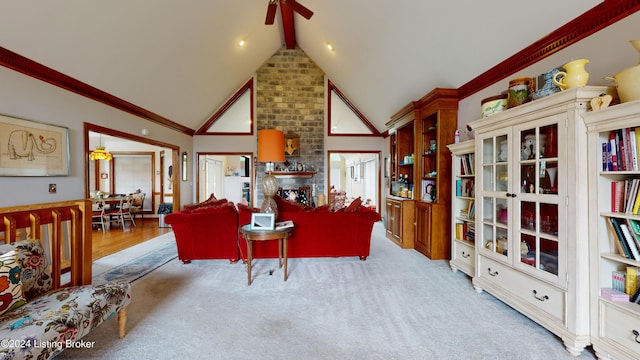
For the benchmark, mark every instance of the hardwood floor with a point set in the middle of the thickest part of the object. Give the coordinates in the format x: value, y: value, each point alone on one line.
x: 115, y: 239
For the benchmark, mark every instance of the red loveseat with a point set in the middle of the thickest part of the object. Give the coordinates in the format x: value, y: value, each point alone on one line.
x: 318, y: 232
x: 208, y: 230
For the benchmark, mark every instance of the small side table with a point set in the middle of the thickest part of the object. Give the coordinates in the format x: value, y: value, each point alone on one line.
x: 281, y: 235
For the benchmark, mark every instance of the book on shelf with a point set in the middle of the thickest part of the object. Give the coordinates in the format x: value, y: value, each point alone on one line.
x: 633, y: 140
x: 466, y: 188
x: 613, y: 294
x: 631, y: 280
x: 606, y: 156
x: 635, y: 297
x: 636, y: 202
x: 634, y: 226
x: 633, y: 248
x: 471, y: 211
x: 466, y: 164
x: 618, y: 239
x: 613, y: 152
x: 631, y: 194
x: 470, y: 234
x: 617, y: 195
x: 459, y: 187
x: 459, y: 230
x: 621, y: 151
x: 618, y: 278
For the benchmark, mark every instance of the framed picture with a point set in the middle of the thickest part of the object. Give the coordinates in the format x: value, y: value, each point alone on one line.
x: 301, y: 195
x: 29, y: 148
x: 263, y: 221
x: 291, y: 144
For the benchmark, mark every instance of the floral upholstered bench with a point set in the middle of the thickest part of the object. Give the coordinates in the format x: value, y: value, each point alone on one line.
x: 36, y: 323
x: 47, y: 302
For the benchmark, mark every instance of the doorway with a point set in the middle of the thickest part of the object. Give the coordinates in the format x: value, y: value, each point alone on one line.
x: 358, y: 174
x: 225, y: 175
x: 130, y: 152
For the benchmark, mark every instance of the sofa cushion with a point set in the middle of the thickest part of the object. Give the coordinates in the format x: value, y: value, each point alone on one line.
x: 354, y: 205
x: 10, y: 284
x: 36, y: 275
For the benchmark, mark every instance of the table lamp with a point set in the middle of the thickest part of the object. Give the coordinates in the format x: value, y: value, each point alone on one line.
x: 270, y: 150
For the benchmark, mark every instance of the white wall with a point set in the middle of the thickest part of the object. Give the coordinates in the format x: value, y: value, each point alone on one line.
x: 27, y: 98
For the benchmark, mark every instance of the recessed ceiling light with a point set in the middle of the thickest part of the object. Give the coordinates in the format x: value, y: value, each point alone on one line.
x: 242, y: 42
x: 329, y: 46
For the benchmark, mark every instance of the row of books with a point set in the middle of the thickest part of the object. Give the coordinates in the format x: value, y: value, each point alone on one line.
x: 465, y: 187
x: 621, y: 151
x: 625, y: 196
x: 626, y: 233
x: 466, y: 164
x: 627, y: 282
x: 466, y: 231
x: 469, y: 212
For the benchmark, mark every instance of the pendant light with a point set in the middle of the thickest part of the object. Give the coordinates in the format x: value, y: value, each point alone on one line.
x: 100, y: 153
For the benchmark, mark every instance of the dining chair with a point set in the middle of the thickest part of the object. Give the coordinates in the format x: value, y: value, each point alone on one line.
x: 137, y: 205
x: 122, y: 212
x: 98, y: 214
x: 125, y: 211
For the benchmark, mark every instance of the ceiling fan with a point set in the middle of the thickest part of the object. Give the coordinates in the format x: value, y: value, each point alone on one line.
x: 294, y: 5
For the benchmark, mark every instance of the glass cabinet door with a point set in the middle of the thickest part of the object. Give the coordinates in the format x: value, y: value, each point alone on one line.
x: 537, y: 199
x: 494, y: 202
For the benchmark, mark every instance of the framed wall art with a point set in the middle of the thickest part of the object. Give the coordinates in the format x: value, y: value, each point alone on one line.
x: 30, y: 148
x: 291, y: 144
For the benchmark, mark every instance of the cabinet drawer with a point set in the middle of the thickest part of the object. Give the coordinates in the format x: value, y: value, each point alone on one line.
x: 618, y: 325
x: 537, y: 293
x: 465, y: 253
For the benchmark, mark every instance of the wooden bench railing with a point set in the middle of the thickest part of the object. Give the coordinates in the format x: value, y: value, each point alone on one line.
x: 63, y: 229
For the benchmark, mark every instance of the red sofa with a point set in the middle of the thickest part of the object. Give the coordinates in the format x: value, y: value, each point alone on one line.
x: 318, y: 232
x: 208, y: 230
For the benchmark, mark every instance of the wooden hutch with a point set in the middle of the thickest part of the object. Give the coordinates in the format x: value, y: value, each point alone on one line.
x: 418, y: 137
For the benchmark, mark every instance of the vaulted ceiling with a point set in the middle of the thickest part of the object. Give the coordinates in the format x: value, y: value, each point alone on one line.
x: 181, y: 60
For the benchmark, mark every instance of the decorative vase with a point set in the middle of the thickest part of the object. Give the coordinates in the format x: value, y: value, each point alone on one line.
x: 519, y: 91
x: 628, y: 80
x: 548, y: 87
x: 574, y: 75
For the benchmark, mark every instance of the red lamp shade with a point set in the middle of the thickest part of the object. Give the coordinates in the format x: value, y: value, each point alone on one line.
x: 270, y: 146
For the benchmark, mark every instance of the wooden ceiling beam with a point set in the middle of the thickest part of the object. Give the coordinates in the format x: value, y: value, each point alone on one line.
x: 288, y: 26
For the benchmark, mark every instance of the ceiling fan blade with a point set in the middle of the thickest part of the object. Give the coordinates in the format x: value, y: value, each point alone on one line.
x: 271, y: 12
x: 306, y: 13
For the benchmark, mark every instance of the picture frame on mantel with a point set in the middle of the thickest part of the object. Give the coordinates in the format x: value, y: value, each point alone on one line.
x: 291, y: 144
x: 31, y: 148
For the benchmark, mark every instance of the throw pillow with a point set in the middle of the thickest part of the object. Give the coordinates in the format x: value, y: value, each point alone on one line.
x: 10, y: 285
x: 285, y: 205
x: 207, y: 202
x: 211, y: 209
x: 354, y: 206
x: 35, y: 274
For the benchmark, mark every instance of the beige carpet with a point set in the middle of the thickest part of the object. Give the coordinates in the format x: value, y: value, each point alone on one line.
x: 396, y: 305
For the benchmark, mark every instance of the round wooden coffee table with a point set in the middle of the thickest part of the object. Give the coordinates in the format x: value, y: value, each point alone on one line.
x: 281, y: 235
